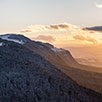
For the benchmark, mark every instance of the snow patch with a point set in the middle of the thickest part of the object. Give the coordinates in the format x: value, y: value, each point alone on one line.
x: 57, y: 49
x: 1, y: 44
x: 6, y: 37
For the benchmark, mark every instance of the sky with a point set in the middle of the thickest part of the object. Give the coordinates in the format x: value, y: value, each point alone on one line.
x: 34, y: 18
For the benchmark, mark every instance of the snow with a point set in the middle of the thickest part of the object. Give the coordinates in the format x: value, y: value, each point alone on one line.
x: 1, y: 44
x: 6, y: 37
x: 57, y: 49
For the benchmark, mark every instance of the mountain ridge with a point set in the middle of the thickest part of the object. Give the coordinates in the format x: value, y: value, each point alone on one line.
x: 27, y: 76
x: 64, y: 61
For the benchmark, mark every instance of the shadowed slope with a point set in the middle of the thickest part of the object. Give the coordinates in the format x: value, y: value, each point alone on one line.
x: 86, y: 76
x: 27, y: 77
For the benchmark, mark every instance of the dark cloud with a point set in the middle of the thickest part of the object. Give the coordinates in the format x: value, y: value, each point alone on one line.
x: 25, y: 31
x: 57, y: 27
x: 96, y: 28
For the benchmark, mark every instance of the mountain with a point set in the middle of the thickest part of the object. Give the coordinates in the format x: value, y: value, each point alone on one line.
x: 57, y: 56
x: 86, y: 76
x: 25, y: 76
x: 96, y: 28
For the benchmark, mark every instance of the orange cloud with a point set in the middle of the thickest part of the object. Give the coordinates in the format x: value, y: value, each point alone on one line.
x: 57, y: 27
x: 82, y: 38
x: 25, y: 31
x: 47, y: 38
x: 79, y: 37
x: 52, y: 27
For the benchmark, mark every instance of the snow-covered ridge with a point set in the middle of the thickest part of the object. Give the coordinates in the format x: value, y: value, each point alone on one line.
x: 57, y: 49
x: 6, y: 37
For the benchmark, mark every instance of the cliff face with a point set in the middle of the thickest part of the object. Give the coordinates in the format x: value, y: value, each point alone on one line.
x: 27, y: 77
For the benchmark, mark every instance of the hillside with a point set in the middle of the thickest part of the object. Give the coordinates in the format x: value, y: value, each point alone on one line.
x: 27, y: 77
x: 86, y: 76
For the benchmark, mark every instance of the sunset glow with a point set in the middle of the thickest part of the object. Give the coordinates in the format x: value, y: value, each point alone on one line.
x: 61, y: 23
x: 50, y: 50
x: 63, y: 34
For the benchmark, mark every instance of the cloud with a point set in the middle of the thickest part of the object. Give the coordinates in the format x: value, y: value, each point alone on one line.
x: 79, y: 37
x: 57, y: 27
x: 93, y: 29
x: 98, y: 5
x: 64, y: 34
x: 83, y: 38
x: 25, y: 31
x: 52, y: 27
x: 34, y: 28
x: 47, y: 38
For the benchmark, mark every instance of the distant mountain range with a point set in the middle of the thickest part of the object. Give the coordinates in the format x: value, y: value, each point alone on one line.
x: 34, y: 72
x: 95, y: 28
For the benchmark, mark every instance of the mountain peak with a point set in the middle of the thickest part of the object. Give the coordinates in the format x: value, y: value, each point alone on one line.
x: 17, y: 38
